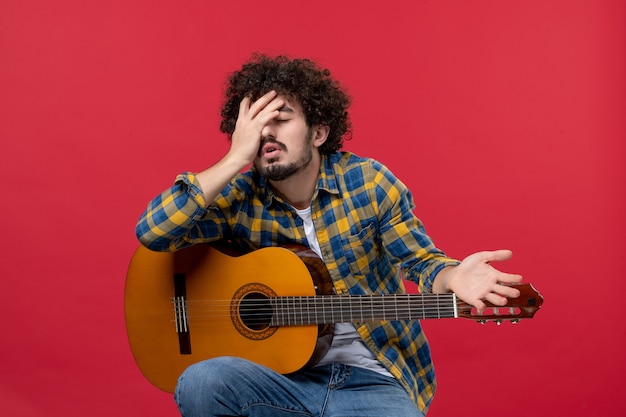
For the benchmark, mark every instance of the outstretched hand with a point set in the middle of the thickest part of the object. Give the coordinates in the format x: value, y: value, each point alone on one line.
x: 475, y: 280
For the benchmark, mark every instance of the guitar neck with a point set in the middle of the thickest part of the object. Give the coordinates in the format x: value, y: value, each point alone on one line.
x: 292, y: 311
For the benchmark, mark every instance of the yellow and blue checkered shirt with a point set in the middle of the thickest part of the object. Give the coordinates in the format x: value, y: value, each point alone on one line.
x: 367, y: 232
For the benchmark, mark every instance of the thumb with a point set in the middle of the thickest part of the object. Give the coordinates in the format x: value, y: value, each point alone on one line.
x: 497, y: 255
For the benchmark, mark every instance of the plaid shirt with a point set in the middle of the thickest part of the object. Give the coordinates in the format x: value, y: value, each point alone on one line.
x: 367, y: 232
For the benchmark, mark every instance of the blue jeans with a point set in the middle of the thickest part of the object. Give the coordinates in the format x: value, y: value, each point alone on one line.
x: 229, y: 386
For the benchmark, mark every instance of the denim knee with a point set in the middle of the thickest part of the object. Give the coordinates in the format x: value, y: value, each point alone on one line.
x: 211, y: 373
x: 204, y: 383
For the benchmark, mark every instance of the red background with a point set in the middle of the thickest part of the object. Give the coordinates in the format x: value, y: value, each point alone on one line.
x: 505, y: 118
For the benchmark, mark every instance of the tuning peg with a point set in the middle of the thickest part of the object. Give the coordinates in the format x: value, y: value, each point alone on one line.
x: 515, y: 321
x: 498, y: 322
x: 483, y: 322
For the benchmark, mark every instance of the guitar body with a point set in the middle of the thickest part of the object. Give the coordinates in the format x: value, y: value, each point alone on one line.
x: 204, y: 273
x: 274, y: 306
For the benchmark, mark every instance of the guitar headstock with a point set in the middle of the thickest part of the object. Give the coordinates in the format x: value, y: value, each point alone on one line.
x: 523, y: 307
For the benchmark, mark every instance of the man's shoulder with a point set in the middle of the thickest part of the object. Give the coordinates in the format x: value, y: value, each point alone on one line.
x: 348, y: 171
x: 349, y: 159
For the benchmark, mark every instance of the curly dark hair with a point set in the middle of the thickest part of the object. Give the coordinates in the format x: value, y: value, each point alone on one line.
x: 322, y: 98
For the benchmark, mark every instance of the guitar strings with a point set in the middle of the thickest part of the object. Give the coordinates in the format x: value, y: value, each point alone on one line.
x: 319, y: 309
x: 314, y: 310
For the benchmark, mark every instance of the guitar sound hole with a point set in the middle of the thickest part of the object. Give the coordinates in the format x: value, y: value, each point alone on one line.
x: 255, y: 311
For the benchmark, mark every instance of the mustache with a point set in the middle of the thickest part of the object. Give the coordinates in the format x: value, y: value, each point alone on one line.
x: 271, y: 139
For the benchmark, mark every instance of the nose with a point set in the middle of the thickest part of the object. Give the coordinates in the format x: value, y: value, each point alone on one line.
x: 268, y: 130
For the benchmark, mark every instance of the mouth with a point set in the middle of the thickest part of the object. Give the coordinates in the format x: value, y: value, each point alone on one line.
x: 271, y: 148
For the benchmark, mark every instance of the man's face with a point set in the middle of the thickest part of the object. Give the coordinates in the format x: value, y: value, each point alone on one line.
x: 287, y: 146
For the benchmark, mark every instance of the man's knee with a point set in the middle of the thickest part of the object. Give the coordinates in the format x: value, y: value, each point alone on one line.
x: 205, y: 384
x: 213, y: 373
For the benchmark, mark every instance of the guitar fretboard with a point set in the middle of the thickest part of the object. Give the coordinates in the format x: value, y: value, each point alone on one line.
x: 293, y: 311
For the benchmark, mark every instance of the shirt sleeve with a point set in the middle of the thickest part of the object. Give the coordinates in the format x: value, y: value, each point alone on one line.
x: 174, y: 219
x: 403, y: 234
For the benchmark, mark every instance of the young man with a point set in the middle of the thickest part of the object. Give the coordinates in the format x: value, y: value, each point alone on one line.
x: 288, y: 118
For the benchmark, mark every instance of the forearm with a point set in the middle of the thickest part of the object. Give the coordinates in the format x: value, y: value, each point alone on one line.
x: 212, y: 180
x: 171, y: 220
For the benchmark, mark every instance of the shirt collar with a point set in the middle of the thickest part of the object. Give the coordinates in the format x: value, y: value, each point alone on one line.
x: 327, y: 180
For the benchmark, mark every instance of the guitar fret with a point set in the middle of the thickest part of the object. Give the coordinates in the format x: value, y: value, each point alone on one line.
x: 383, y: 307
x: 339, y: 308
x: 395, y: 299
x: 289, y: 310
x: 361, y: 307
x: 429, y: 306
x: 297, y: 310
x: 296, y: 303
x: 407, y: 308
x: 284, y: 305
x: 340, y: 311
x: 438, y: 307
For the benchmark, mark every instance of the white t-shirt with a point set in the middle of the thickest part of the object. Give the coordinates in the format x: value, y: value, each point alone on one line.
x: 347, y: 346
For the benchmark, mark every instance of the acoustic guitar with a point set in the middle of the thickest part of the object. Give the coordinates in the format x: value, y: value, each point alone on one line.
x: 274, y: 306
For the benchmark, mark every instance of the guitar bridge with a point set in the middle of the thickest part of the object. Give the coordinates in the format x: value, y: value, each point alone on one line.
x: 180, y: 314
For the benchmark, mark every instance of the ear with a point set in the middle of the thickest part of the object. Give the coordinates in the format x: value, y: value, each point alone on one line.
x: 320, y: 134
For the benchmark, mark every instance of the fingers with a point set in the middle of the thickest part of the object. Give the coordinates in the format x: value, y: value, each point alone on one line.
x: 498, y: 297
x: 267, y: 104
x: 504, y: 278
x: 479, y: 283
x: 244, y: 106
x: 480, y: 306
x: 252, y: 119
x: 498, y: 276
x: 497, y: 255
x: 494, y: 299
x: 506, y: 291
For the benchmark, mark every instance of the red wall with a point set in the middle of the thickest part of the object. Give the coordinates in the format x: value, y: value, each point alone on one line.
x: 506, y: 119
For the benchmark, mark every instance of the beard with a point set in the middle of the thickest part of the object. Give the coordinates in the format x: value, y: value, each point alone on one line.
x: 277, y: 172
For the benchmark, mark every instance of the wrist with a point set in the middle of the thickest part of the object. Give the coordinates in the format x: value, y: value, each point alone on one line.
x: 441, y: 284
